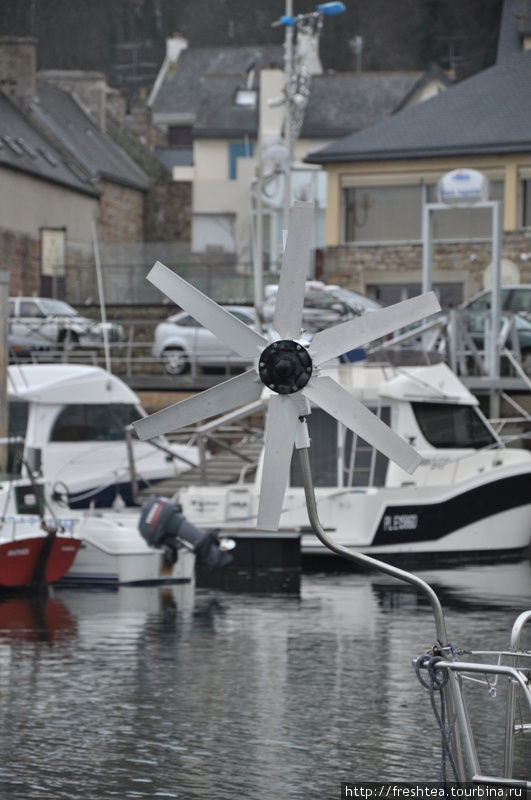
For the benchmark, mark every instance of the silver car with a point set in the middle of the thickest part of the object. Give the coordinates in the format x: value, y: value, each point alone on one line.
x: 181, y: 342
x: 56, y: 322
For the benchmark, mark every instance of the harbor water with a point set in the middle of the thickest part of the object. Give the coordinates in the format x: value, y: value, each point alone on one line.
x: 175, y: 693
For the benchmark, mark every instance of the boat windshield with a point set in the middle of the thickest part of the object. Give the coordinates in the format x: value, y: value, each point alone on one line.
x: 17, y: 422
x: 452, y: 426
x: 17, y: 412
x: 93, y: 422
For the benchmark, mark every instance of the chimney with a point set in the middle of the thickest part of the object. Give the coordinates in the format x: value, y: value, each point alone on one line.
x: 18, y: 57
x: 174, y: 47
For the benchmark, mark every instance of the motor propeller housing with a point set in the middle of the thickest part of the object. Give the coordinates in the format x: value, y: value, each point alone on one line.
x: 163, y: 525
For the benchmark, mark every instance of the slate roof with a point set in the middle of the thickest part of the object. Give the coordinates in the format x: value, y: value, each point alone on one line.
x: 179, y: 93
x: 343, y: 102
x: 100, y: 156
x: 24, y: 148
x: 486, y: 114
x: 216, y: 113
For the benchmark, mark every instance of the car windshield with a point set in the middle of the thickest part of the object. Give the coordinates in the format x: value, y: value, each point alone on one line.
x: 58, y: 308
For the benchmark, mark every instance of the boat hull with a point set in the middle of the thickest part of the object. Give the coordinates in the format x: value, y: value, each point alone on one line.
x: 113, y: 553
x: 19, y: 560
x: 473, y: 519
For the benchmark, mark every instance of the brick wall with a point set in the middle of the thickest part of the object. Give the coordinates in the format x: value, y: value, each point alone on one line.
x: 358, y: 266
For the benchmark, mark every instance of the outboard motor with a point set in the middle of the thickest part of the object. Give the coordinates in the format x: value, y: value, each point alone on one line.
x: 163, y: 525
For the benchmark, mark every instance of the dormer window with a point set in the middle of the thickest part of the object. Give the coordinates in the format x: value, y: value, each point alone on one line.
x: 245, y: 98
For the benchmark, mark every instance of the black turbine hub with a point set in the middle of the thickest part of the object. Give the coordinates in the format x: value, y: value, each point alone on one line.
x: 285, y: 366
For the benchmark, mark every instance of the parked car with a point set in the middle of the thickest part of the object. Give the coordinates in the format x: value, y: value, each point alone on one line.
x: 516, y: 299
x: 23, y: 348
x: 180, y: 341
x: 56, y: 322
x: 522, y: 326
x: 324, y: 305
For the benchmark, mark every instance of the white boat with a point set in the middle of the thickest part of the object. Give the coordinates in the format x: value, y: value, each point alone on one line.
x: 470, y: 496
x: 113, y: 553
x: 76, y: 416
x: 37, y: 546
x: 43, y: 541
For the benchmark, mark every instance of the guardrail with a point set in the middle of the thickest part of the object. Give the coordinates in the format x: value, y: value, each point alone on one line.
x: 457, y: 337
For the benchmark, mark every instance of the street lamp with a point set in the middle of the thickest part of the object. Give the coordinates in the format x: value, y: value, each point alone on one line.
x: 297, y: 74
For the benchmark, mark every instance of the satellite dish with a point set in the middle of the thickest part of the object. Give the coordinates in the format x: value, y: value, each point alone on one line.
x: 509, y: 274
x: 287, y: 367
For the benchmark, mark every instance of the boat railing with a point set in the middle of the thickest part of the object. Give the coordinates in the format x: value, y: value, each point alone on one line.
x: 457, y: 336
x: 461, y: 338
x: 454, y: 673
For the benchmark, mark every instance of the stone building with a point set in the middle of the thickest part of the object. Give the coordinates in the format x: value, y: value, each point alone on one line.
x: 221, y: 108
x: 62, y: 178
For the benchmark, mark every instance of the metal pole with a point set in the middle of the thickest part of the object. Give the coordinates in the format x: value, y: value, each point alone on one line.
x: 463, y: 731
x: 259, y: 249
x: 4, y: 360
x: 521, y: 620
x: 426, y: 248
x: 495, y: 310
x: 361, y: 558
x: 288, y: 78
x: 102, y: 298
x: 129, y: 430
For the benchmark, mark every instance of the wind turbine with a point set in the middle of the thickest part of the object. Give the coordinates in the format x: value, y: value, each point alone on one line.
x: 286, y: 365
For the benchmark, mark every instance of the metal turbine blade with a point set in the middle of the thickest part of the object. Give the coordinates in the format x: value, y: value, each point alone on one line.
x: 236, y: 391
x: 225, y: 326
x: 287, y: 319
x: 281, y: 425
x: 336, y: 401
x: 332, y: 342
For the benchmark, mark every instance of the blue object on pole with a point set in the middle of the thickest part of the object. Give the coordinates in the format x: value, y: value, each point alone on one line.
x: 331, y: 9
x: 287, y: 21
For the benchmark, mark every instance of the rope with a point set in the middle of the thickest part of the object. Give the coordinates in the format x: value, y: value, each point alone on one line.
x: 435, y: 684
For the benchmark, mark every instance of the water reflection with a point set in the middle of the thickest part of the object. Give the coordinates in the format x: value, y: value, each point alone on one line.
x: 149, y: 692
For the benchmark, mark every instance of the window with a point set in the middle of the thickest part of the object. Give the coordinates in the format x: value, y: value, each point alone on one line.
x: 450, y: 294
x: 243, y: 317
x: 238, y: 150
x: 17, y: 418
x: 187, y: 322
x: 100, y: 422
x: 245, y: 98
x: 526, y: 203
x: 394, y: 214
x: 383, y: 213
x: 11, y: 307
x: 29, y: 309
x: 180, y: 136
x: 361, y: 462
x: 58, y: 308
x: 450, y: 426
x: 17, y: 422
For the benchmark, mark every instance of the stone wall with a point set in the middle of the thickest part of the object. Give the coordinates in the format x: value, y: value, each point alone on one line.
x: 358, y: 266
x: 168, y: 212
x: 20, y: 256
x: 121, y: 213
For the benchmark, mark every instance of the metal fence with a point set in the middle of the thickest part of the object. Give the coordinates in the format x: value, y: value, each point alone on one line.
x: 124, y: 270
